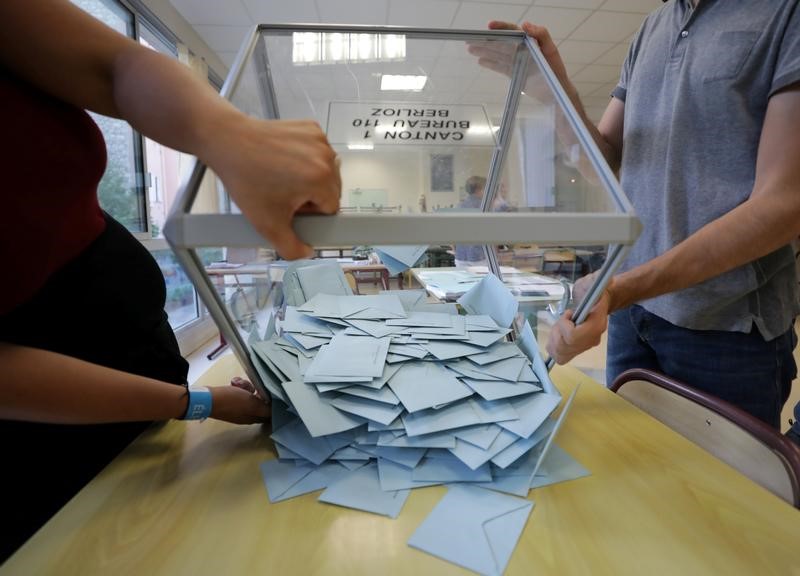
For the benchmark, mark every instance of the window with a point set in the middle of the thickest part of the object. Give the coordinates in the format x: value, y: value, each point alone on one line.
x: 142, y: 179
x: 121, y: 191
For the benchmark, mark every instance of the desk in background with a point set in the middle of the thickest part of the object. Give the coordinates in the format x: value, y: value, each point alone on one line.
x: 187, y: 498
x: 449, y: 284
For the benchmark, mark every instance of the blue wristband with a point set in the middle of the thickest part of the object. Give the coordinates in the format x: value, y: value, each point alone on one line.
x: 199, y: 407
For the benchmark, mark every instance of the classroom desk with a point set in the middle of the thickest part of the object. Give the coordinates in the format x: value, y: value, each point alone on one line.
x: 187, y: 498
x: 516, y: 280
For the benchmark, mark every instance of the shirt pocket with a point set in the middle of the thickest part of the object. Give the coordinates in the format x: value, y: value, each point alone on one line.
x: 727, y: 53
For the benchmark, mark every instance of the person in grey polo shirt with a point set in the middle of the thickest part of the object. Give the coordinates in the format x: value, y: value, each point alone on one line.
x: 704, y: 129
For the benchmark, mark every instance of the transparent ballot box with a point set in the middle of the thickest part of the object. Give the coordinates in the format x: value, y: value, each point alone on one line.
x: 460, y: 156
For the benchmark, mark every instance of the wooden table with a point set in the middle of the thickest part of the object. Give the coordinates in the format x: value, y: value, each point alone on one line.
x: 187, y: 498
x: 371, y: 273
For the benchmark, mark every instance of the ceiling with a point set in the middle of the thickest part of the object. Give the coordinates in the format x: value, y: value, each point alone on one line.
x: 592, y: 35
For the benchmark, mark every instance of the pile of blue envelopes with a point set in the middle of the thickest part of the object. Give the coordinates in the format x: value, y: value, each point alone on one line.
x: 376, y: 395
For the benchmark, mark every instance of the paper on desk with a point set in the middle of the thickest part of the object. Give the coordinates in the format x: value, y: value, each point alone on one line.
x: 351, y: 356
x: 318, y: 412
x: 383, y: 394
x: 293, y: 292
x: 369, y: 409
x: 523, y: 446
x: 447, y: 350
x: 421, y: 385
x: 399, y: 258
x: 557, y: 466
x: 449, y: 470
x: 480, y: 435
x: 486, y: 338
x: 433, y: 440
x: 295, y: 437
x: 321, y: 277
x: 530, y: 347
x: 490, y: 297
x: 408, y: 457
x: 371, y: 307
x: 533, y: 410
x: 270, y: 380
x: 438, y: 307
x: 497, y: 389
x: 408, y: 298
x: 295, y: 321
x: 498, y: 351
x: 395, y: 476
x: 467, y: 412
x: 473, y: 456
x: 361, y: 489
x: 514, y: 479
x: 474, y: 528
x: 552, y: 436
x: 286, y: 480
x: 276, y: 357
x: 480, y: 323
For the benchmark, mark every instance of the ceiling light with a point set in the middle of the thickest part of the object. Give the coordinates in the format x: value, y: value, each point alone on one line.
x: 335, y: 47
x: 405, y: 82
x: 367, y: 146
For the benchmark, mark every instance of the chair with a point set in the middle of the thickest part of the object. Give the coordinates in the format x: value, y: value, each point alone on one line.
x: 737, y: 438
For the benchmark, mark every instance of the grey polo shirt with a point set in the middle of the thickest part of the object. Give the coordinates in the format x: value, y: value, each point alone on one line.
x: 696, y: 84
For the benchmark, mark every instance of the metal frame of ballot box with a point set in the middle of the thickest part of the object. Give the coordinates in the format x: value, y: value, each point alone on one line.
x: 185, y: 232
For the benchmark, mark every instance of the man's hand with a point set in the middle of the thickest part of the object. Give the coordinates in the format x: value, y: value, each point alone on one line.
x: 238, y: 403
x: 275, y: 169
x: 567, y: 340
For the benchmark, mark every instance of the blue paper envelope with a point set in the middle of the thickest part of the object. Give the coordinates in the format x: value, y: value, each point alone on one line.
x: 395, y: 476
x: 400, y: 258
x: 527, y: 343
x: 474, y: 528
x: 421, y: 385
x: 558, y: 466
x: 408, y: 298
x: 499, y: 389
x: 361, y: 489
x: 286, y: 480
x: 319, y: 416
x: 491, y: 297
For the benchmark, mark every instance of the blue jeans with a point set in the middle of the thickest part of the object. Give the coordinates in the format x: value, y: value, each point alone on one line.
x: 743, y: 369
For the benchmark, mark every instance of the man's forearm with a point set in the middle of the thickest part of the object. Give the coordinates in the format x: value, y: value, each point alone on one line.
x: 752, y: 230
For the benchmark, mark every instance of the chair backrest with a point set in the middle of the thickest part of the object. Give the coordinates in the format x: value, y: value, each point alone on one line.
x: 737, y: 438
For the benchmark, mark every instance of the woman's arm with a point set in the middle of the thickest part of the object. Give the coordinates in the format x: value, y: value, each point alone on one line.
x: 272, y: 169
x: 43, y: 386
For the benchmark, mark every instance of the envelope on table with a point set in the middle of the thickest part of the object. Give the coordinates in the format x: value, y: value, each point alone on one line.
x: 371, y: 307
x: 394, y: 476
x: 491, y: 297
x: 286, y: 480
x: 421, y: 385
x: 498, y: 389
x: 558, y: 466
x: 474, y: 528
x: 408, y: 298
x: 320, y: 418
x: 361, y: 489
x: 556, y: 427
x: 527, y: 343
x: 400, y: 258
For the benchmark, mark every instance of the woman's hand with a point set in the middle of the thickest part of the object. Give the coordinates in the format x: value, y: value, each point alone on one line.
x: 275, y: 169
x: 238, y: 403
